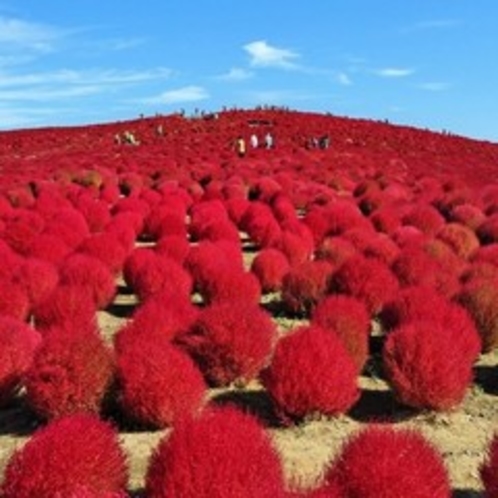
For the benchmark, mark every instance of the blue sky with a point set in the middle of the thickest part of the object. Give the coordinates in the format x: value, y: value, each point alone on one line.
x: 425, y: 63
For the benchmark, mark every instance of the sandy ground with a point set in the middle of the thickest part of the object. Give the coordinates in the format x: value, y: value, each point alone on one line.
x: 462, y: 436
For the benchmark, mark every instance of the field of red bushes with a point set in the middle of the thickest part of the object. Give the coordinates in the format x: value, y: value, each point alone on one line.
x: 302, y: 321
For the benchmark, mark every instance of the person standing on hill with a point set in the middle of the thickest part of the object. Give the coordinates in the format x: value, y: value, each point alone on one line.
x: 254, y: 141
x: 240, y: 146
x: 269, y: 140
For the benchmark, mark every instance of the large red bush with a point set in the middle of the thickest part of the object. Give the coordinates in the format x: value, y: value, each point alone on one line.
x: 388, y: 463
x: 305, y: 285
x: 347, y: 317
x: 71, y: 372
x: 223, y: 453
x: 231, y: 341
x: 270, y: 266
x: 72, y: 453
x: 311, y: 373
x: 19, y: 342
x: 427, y: 366
x: 90, y: 273
x: 367, y: 279
x: 158, y: 383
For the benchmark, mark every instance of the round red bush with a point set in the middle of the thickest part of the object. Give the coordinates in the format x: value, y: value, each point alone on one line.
x: 305, y: 285
x: 14, y: 299
x: 74, y: 452
x: 158, y: 383
x: 71, y: 372
x: 389, y: 463
x: 424, y: 217
x: 270, y: 266
x: 92, y: 274
x: 347, y: 317
x: 231, y: 341
x: 479, y: 296
x: 462, y: 239
x: 367, y: 279
x: 427, y: 366
x: 66, y: 305
x: 19, y: 342
x: 311, y: 373
x: 223, y: 453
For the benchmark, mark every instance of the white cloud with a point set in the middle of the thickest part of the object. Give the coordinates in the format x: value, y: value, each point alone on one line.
x: 434, y: 86
x: 436, y: 24
x: 392, y: 72
x: 45, y: 94
x: 16, y: 33
x: 343, y: 79
x: 264, y: 55
x: 236, y: 74
x: 190, y: 93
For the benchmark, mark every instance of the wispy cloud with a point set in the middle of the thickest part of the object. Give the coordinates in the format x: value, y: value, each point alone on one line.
x: 94, y: 77
x: 434, y: 86
x: 191, y: 93
x: 433, y: 24
x: 236, y: 74
x: 16, y: 33
x: 394, y: 72
x: 343, y: 79
x: 263, y: 54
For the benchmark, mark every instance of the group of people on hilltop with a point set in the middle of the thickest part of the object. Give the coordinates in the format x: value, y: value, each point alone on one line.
x: 321, y: 142
x: 241, y: 146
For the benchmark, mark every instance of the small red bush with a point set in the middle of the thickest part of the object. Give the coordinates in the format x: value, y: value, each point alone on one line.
x: 173, y: 246
x: 270, y: 266
x: 367, y: 279
x: 14, y: 299
x: 336, y: 250
x: 67, y: 304
x: 69, y: 225
x: 389, y: 463
x: 311, y: 373
x: 305, y: 285
x: 231, y: 341
x: 260, y: 225
x: 489, y: 469
x: 107, y: 248
x: 21, y: 228
x: 39, y: 278
x: 469, y: 215
x: 427, y: 366
x: 347, y: 317
x: 19, y: 342
x: 72, y: 453
x: 90, y: 273
x: 424, y: 217
x: 462, y: 239
x: 148, y: 273
x: 479, y: 296
x: 223, y: 453
x: 70, y: 373
x: 158, y: 383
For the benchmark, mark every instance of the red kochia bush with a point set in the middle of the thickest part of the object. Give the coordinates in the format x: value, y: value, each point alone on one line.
x: 148, y: 272
x: 39, y: 279
x: 106, y: 247
x: 367, y: 279
x: 389, y: 463
x: 92, y: 274
x: 428, y: 364
x: 347, y: 317
x: 462, y: 239
x: 70, y: 373
x: 489, y: 469
x: 479, y: 296
x: 270, y: 266
x: 19, y: 342
x: 223, y: 453
x: 158, y: 383
x: 67, y: 304
x: 305, y: 285
x: 311, y: 373
x: 14, y: 300
x: 72, y: 453
x: 231, y: 341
